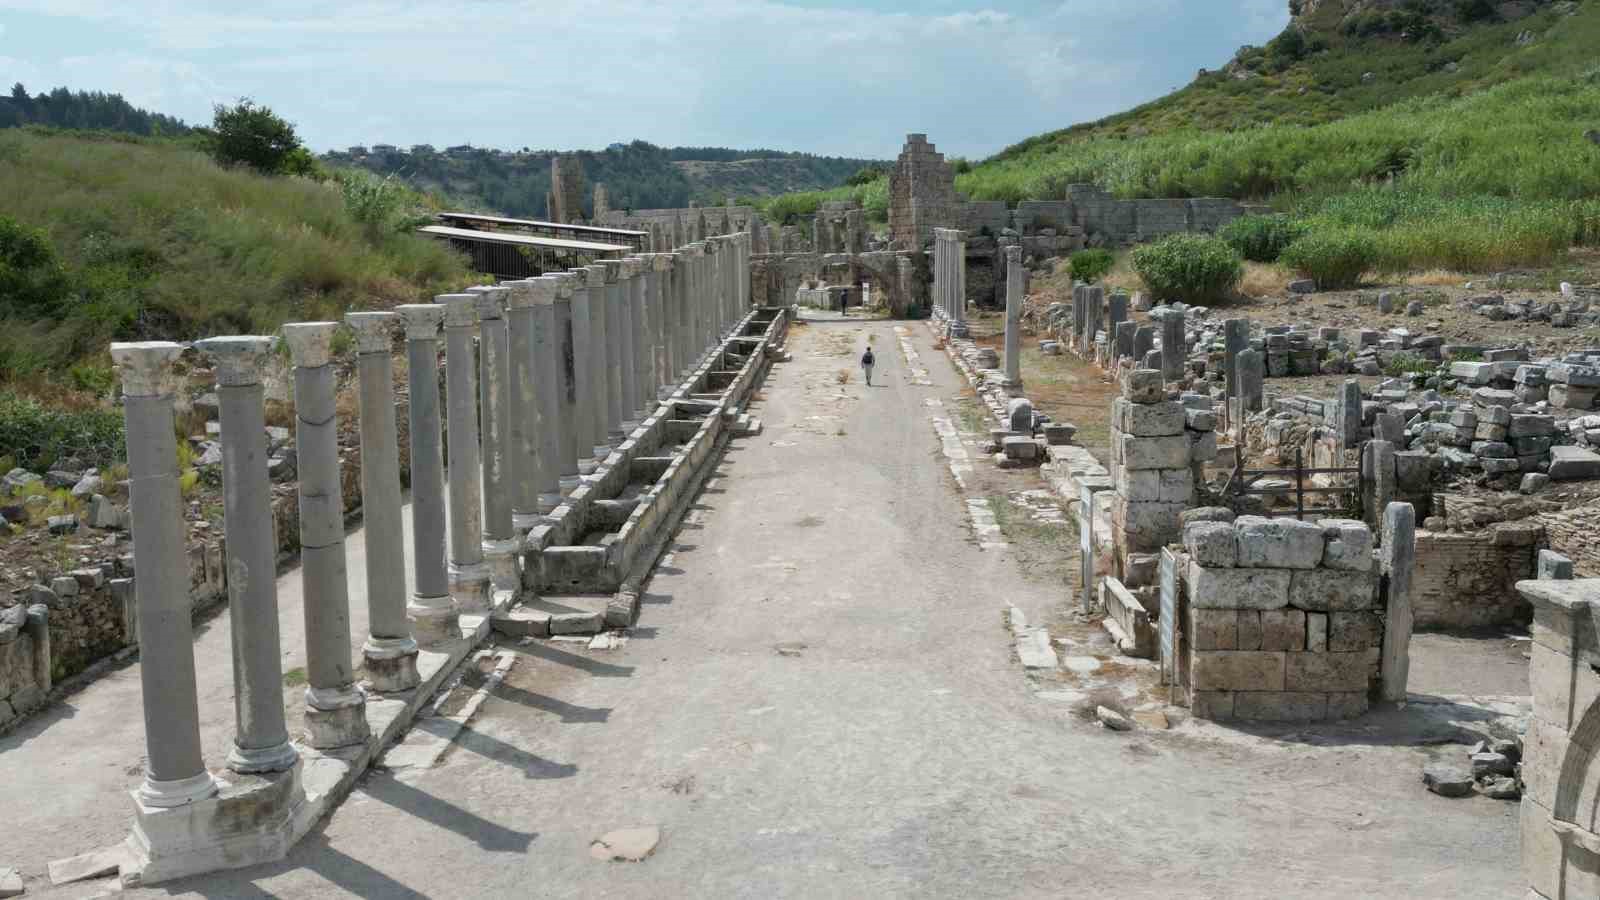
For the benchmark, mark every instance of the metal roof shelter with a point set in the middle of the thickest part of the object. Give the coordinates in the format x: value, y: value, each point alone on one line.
x: 506, y: 255
x: 634, y: 239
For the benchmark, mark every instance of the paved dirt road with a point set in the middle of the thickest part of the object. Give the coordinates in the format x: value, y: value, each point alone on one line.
x: 821, y: 701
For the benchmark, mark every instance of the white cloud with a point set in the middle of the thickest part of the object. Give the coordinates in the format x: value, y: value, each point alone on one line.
x: 575, y: 73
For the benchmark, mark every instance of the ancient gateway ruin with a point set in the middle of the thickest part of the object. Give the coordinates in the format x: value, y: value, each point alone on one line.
x: 598, y: 397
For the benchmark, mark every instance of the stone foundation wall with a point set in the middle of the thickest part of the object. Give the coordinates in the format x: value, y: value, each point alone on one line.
x: 1468, y: 579
x: 20, y: 687
x: 1283, y: 618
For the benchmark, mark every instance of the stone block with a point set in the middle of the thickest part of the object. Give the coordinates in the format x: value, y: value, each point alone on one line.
x: 1570, y: 463
x: 1281, y: 706
x: 1316, y: 632
x: 1494, y: 415
x: 1486, y: 431
x: 1552, y: 565
x: 1213, y: 629
x: 1566, y: 396
x: 1237, y: 588
x: 1155, y: 485
x: 1155, y: 452
x: 1160, y: 419
x: 1278, y: 543
x: 1237, y: 670
x: 1347, y: 704
x: 1214, y: 705
x: 1249, y: 628
x: 1528, y: 425
x: 1348, y: 545
x: 1332, y: 590
x: 1206, y: 514
x: 1330, y: 671
x: 1283, y: 629
x: 1211, y: 544
x: 1349, y: 632
x: 1202, y: 446
x: 1144, y: 386
x: 1023, y: 448
x: 1147, y: 527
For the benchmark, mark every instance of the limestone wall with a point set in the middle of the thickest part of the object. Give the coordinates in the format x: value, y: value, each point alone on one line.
x: 20, y: 688
x: 1282, y: 619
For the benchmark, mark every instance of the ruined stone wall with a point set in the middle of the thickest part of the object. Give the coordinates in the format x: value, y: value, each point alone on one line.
x: 19, y: 687
x: 1468, y: 579
x: 566, y: 188
x: 1282, y: 620
x: 922, y: 194
x: 718, y: 219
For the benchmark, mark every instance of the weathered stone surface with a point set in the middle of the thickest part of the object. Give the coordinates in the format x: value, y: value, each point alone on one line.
x: 1552, y: 565
x: 1348, y: 545
x: 1330, y: 671
x: 1211, y: 544
x: 1332, y: 590
x: 1281, y: 706
x: 1237, y: 588
x: 1112, y: 720
x: 1317, y: 632
x: 1249, y: 628
x: 1213, y: 629
x: 1155, y: 485
x: 626, y: 844
x: 1569, y: 463
x: 1283, y: 629
x: 1278, y: 543
x: 1158, y: 419
x: 1206, y: 514
x: 1143, y: 386
x: 1157, y: 452
x: 1502, y: 788
x: 1347, y: 704
x: 1490, y: 763
x: 1216, y: 705
x: 1237, y: 670
x: 1023, y: 448
x: 1019, y: 415
x: 1353, y: 631
x: 1447, y: 780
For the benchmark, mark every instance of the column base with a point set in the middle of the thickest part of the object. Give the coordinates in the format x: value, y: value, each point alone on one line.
x: 259, y: 760
x: 570, y: 483
x: 615, y: 437
x: 469, y: 586
x: 549, y: 501
x: 253, y: 821
x: 336, y: 717
x: 177, y: 792
x: 522, y: 521
x: 629, y: 426
x: 586, y: 466
x: 501, y: 558
x: 433, y: 620
x: 1012, y: 388
x: 390, y: 664
x: 601, y: 453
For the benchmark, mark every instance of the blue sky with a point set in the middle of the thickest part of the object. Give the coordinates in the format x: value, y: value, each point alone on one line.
x: 825, y: 76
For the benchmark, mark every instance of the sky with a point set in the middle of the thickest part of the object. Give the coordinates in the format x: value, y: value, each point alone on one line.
x: 823, y: 76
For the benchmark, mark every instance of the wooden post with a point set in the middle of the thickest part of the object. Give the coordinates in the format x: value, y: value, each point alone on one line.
x: 1397, y: 554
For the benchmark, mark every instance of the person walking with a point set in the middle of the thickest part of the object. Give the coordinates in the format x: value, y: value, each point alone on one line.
x: 867, y: 360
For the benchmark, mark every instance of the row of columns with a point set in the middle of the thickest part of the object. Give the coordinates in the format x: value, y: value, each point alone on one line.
x: 950, y: 278
x: 543, y: 377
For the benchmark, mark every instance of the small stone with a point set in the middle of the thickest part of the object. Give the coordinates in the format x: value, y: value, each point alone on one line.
x: 10, y: 881
x: 1447, y: 780
x: 1302, y: 286
x: 1491, y: 763
x: 626, y: 844
x: 1502, y: 788
x: 87, y: 486
x: 63, y: 524
x: 1112, y: 719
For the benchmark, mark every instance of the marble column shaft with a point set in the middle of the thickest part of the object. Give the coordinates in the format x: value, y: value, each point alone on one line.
x: 389, y: 652
x: 468, y: 573
x: 547, y: 376
x: 261, y: 737
x: 643, y: 344
x: 583, y: 403
x: 432, y: 611
x: 522, y: 461
x: 500, y: 540
x: 563, y: 385
x: 174, y: 770
x: 599, y: 361
x: 335, y: 706
x: 624, y: 378
x: 1173, y: 346
x: 1015, y: 290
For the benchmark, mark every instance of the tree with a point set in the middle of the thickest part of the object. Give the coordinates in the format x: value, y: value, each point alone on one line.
x: 251, y: 135
x: 33, y: 284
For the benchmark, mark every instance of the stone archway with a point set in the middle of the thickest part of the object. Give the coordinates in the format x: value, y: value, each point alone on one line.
x: 1576, y: 813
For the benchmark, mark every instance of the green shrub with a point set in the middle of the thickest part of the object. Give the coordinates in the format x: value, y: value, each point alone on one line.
x: 1262, y: 238
x: 255, y: 136
x: 1334, y: 258
x: 36, y: 436
x: 1407, y: 363
x: 32, y: 281
x: 1189, y: 267
x: 1091, y: 265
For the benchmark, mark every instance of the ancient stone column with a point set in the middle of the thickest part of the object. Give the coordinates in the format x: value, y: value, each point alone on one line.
x: 661, y: 314
x: 603, y: 347
x: 468, y: 573
x: 1173, y: 347
x: 644, y: 389
x: 500, y: 540
x: 432, y: 611
x: 565, y: 363
x: 959, y: 283
x: 1397, y: 556
x: 1127, y: 332
x: 175, y: 772
x: 1349, y: 414
x: 584, y: 400
x: 682, y: 319
x: 1252, y: 375
x: 547, y: 375
x: 1116, y: 314
x: 522, y: 461
x: 389, y: 653
x: 336, y: 713
x: 1235, y: 339
x: 622, y: 377
x: 1015, y: 291
x: 261, y: 738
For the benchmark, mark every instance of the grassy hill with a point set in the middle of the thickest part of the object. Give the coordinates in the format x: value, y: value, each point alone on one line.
x: 638, y: 175
x: 125, y: 238
x: 1455, y: 134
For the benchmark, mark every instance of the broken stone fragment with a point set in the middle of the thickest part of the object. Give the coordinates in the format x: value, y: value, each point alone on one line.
x: 1447, y: 780
x: 626, y: 844
x: 1502, y: 788
x: 1112, y: 719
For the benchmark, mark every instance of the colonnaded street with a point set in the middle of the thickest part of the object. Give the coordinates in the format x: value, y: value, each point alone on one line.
x: 821, y: 698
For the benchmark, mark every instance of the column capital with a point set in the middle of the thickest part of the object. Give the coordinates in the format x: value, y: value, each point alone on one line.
x: 422, y: 320
x: 565, y: 283
x: 594, y: 276
x: 543, y: 290
x: 148, y: 368
x: 1013, y: 254
x: 662, y: 262
x: 460, y: 310
x: 239, y: 358
x: 613, y: 269
x: 374, y: 330
x: 519, y: 294
x: 491, y: 302
x: 632, y: 266
x: 310, y: 343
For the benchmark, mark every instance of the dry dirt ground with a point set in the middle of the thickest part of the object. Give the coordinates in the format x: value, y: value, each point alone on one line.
x: 822, y: 699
